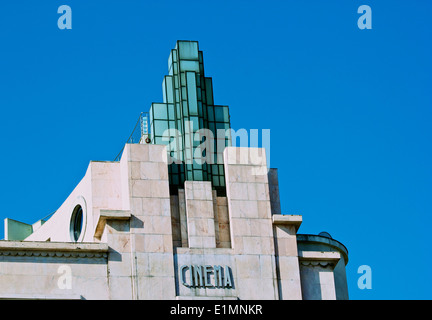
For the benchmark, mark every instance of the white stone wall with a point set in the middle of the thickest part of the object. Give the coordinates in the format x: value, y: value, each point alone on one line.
x: 137, y: 238
x: 41, y: 270
x: 200, y: 214
x: 251, y: 223
x: 150, y: 229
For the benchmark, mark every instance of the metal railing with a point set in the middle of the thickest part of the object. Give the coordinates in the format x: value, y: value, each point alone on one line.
x: 140, y: 133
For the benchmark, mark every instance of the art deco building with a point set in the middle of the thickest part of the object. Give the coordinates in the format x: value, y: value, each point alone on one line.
x: 157, y: 223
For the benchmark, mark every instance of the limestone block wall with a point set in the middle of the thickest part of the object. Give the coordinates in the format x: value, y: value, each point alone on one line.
x: 218, y: 217
x: 46, y: 270
x: 251, y: 222
x: 140, y: 242
x: 150, y: 227
x: 222, y: 225
x: 120, y: 263
x: 288, y: 272
x: 200, y: 214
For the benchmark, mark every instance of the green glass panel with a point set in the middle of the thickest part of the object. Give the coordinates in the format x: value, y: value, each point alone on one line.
x: 200, y: 108
x: 191, y: 91
x: 222, y: 181
x: 187, y: 141
x: 164, y: 90
x: 198, y: 175
x: 175, y: 179
x: 158, y: 140
x: 178, y: 110
x: 169, y: 88
x: 195, y: 123
x: 171, y: 111
x: 212, y: 127
x: 219, y: 114
x: 209, y: 91
x: 160, y: 127
x: 220, y: 126
x: 188, y: 49
x: 189, y: 66
x: 159, y: 111
x: 226, y: 114
x: 210, y: 113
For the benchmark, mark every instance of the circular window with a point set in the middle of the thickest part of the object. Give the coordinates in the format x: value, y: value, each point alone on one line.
x: 76, y: 223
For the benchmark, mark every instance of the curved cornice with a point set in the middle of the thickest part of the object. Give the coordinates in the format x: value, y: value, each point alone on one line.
x: 324, y: 240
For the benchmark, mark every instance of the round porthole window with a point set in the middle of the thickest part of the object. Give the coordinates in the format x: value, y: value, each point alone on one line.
x: 76, y: 223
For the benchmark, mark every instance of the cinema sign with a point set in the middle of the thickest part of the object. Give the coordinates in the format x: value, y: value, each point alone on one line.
x: 198, y: 276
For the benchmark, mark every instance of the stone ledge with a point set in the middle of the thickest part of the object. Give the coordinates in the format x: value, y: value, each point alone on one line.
x: 319, y: 258
x: 334, y: 244
x: 109, y: 215
x: 53, y: 249
x: 285, y: 219
x: 13, y: 296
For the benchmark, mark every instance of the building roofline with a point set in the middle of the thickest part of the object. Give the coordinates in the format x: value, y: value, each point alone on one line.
x: 325, y: 240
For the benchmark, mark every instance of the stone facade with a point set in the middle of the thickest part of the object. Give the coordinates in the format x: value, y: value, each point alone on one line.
x: 138, y: 241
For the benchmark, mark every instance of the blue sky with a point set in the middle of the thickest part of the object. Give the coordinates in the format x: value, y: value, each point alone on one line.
x: 349, y: 109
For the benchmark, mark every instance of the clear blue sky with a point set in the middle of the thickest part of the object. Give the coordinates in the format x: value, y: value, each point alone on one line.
x: 349, y: 109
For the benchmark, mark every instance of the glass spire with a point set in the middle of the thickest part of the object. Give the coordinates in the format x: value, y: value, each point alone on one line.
x: 188, y: 108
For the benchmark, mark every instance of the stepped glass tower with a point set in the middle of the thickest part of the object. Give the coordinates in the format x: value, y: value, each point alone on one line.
x: 187, y: 108
x: 180, y: 214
